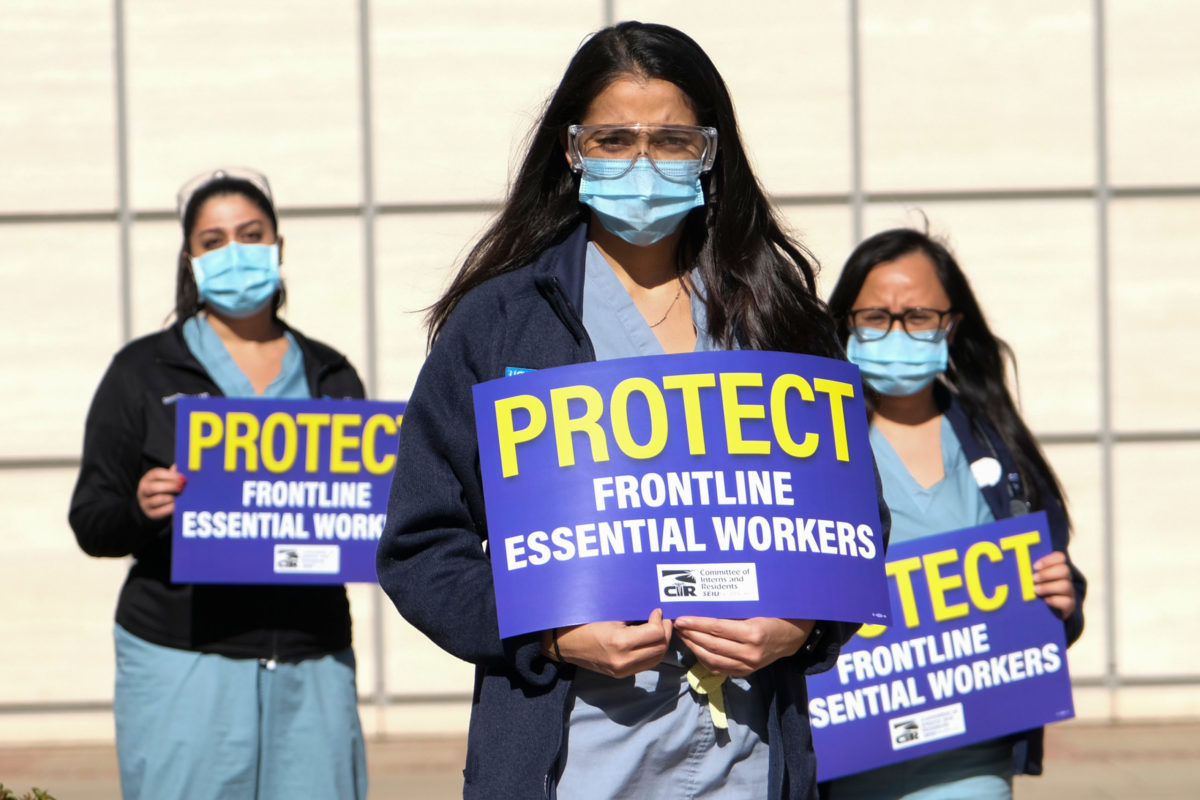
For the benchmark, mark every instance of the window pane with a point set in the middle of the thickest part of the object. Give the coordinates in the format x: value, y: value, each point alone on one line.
x: 825, y: 231
x: 1078, y: 470
x: 455, y: 92
x: 60, y: 645
x: 65, y: 321
x: 1154, y: 298
x: 1156, y: 559
x: 56, y: 78
x: 154, y: 251
x: 323, y: 267
x: 419, y: 254
x: 977, y: 94
x: 362, y: 623
x: 1032, y: 268
x: 417, y: 666
x: 1153, y: 119
x: 225, y: 83
x: 787, y: 68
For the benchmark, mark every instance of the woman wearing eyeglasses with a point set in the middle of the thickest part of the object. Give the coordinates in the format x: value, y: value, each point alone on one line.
x: 953, y: 453
x: 223, y: 692
x: 635, y: 226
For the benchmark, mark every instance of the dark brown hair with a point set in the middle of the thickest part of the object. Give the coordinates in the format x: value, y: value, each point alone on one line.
x: 760, y: 282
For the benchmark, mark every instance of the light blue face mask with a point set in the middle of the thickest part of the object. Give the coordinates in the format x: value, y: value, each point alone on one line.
x: 238, y: 279
x: 898, y: 365
x: 642, y: 206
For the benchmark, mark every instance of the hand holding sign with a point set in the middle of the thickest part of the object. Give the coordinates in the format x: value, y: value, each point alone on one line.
x: 739, y: 647
x: 616, y: 649
x: 1052, y: 582
x: 156, y: 491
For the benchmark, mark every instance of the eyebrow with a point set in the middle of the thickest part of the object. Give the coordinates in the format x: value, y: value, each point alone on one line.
x: 240, y: 227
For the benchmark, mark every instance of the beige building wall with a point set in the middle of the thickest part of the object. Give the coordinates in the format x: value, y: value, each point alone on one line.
x: 1077, y: 222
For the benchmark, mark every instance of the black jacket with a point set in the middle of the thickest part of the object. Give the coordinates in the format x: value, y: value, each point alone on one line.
x: 130, y: 429
x: 432, y: 563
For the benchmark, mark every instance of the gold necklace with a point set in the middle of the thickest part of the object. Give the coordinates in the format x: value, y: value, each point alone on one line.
x: 663, y: 319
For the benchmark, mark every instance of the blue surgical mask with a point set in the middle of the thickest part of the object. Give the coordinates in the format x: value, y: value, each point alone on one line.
x: 641, y: 206
x: 238, y: 279
x: 898, y: 365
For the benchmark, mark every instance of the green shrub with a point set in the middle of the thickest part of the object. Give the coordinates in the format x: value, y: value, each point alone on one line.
x: 33, y: 794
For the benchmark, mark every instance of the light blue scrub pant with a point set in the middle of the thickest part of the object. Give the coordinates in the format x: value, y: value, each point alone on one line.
x: 979, y: 771
x: 196, y: 726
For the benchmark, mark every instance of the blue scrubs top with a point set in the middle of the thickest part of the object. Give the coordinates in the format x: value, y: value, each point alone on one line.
x: 952, y: 503
x: 210, y: 351
x: 649, y: 735
x: 979, y: 771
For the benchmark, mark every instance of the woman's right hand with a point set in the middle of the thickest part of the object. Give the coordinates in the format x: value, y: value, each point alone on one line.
x: 156, y: 491
x: 616, y: 649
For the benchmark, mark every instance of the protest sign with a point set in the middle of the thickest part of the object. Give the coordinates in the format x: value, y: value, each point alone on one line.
x: 281, y: 491
x: 722, y: 484
x: 973, y: 653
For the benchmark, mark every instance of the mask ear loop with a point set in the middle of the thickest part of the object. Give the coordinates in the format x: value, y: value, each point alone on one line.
x: 191, y: 262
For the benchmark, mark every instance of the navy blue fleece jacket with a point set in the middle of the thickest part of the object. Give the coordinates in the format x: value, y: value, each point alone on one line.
x: 980, y: 440
x: 433, y: 565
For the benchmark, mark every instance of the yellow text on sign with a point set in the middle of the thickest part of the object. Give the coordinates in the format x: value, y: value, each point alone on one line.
x: 591, y: 408
x: 245, y: 443
x: 945, y: 572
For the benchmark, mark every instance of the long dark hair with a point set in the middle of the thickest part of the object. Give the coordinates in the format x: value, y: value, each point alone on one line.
x: 977, y: 356
x: 187, y: 298
x: 760, y: 283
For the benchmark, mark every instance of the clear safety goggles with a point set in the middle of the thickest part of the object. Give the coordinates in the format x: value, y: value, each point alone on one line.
x: 677, y: 152
x: 251, y: 176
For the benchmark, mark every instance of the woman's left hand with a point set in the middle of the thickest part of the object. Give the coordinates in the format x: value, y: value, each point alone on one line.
x: 1052, y: 582
x: 740, y: 646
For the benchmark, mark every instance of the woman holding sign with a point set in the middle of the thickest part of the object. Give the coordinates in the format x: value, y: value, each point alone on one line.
x: 634, y: 227
x: 953, y: 453
x: 222, y: 691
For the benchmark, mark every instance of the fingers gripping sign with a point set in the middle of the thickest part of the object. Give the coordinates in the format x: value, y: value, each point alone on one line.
x: 739, y: 647
x: 616, y: 649
x: 157, y: 489
x: 1052, y: 582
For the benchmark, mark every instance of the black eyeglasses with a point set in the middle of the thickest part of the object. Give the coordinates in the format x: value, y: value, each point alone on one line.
x: 922, y: 324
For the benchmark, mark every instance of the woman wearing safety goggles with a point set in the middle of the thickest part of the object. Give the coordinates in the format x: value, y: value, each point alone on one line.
x: 634, y: 227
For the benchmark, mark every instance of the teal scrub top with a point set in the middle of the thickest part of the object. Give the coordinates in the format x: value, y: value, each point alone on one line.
x: 979, y: 771
x: 649, y: 735
x: 209, y: 350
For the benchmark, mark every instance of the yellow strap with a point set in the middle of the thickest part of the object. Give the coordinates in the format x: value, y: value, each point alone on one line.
x: 707, y: 683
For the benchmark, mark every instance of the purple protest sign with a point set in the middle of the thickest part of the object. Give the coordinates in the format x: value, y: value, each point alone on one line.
x: 974, y: 655
x: 281, y: 491
x: 723, y: 484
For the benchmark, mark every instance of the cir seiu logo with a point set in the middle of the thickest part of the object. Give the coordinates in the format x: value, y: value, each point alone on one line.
x: 906, y: 731
x: 676, y: 584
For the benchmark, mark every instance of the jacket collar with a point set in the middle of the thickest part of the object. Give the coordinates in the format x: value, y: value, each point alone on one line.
x: 991, y: 462
x: 172, y: 349
x: 559, y: 277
